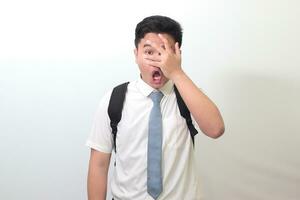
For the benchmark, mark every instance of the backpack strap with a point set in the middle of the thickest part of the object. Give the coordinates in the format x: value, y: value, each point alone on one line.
x: 115, y: 108
x: 185, y: 113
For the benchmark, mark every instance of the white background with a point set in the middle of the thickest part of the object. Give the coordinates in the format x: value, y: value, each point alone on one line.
x: 57, y: 58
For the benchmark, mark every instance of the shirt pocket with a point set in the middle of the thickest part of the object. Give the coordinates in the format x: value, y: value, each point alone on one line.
x: 175, y: 132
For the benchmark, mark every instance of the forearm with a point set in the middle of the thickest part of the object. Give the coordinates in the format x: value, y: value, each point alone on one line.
x: 201, y: 107
x: 97, y: 175
x: 97, y: 183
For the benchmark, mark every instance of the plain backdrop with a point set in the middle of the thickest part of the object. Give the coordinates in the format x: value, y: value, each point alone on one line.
x: 57, y: 59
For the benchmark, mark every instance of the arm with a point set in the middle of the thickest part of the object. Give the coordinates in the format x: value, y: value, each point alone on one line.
x: 97, y: 175
x: 201, y: 107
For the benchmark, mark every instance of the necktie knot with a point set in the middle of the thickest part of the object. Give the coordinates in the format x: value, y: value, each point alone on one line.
x: 156, y: 96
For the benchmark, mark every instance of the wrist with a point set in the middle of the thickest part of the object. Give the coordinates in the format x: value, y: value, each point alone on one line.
x: 177, y: 75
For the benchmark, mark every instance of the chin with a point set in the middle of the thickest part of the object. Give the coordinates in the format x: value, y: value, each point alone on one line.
x: 158, y: 85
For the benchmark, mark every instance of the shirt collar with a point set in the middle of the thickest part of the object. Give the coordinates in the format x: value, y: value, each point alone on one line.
x: 146, y: 89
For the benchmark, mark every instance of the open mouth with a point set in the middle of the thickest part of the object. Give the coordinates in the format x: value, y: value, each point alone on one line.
x: 156, y: 75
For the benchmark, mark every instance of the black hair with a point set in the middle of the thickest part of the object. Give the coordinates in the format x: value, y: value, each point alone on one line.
x: 158, y: 24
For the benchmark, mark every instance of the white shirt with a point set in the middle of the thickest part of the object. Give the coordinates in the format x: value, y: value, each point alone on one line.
x: 129, y: 181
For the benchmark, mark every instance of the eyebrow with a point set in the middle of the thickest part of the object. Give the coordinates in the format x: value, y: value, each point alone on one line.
x: 147, y: 45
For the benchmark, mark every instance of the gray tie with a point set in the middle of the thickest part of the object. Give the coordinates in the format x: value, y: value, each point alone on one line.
x: 154, y: 176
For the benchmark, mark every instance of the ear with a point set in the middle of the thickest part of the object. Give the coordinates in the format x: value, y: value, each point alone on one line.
x: 135, y: 51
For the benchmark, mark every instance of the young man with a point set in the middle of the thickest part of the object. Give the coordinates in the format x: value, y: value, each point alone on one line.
x: 158, y: 55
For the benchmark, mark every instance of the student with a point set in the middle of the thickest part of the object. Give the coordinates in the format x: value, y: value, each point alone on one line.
x: 158, y: 55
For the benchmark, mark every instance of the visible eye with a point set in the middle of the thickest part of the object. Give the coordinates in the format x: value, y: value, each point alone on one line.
x: 149, y: 52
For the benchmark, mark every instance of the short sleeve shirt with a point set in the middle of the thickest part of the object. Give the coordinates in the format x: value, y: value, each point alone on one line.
x: 129, y: 180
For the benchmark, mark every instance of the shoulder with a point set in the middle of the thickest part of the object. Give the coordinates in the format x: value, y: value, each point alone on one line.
x: 104, y: 101
x: 129, y: 87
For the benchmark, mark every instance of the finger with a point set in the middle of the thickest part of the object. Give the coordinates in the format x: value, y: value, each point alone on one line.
x: 154, y: 60
x: 152, y: 57
x: 166, y: 43
x: 158, y: 48
x: 153, y: 63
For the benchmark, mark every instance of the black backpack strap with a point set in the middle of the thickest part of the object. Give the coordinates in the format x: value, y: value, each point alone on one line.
x: 185, y: 113
x: 115, y: 108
